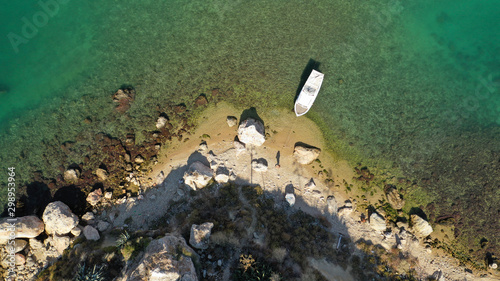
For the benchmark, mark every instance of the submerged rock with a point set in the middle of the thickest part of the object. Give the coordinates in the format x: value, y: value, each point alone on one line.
x: 394, y: 198
x: 71, y: 175
x: 306, y: 154
x: 161, y: 122
x: 251, y: 131
x: 200, y: 234
x: 101, y: 174
x: 58, y: 218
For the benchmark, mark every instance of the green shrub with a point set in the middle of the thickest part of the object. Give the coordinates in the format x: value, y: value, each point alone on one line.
x: 96, y: 273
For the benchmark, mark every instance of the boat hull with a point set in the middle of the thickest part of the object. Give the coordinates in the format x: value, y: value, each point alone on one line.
x: 308, y: 93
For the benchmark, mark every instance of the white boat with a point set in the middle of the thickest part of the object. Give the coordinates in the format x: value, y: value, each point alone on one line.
x: 309, y: 93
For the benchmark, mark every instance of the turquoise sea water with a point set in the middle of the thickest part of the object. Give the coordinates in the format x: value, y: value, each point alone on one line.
x: 410, y: 86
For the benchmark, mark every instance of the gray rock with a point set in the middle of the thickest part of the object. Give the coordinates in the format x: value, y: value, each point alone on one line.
x: 377, y: 222
x: 88, y: 217
x: 60, y: 243
x: 290, y: 198
x: 91, y: 233
x: 26, y: 227
x: 71, y: 175
x: 102, y: 225
x: 19, y: 259
x: 162, y: 261
x: 19, y: 245
x: 76, y: 231
x: 420, y: 226
x: 232, y: 121
x: 198, y: 175
x: 239, y: 147
x: 200, y: 235
x: 222, y: 174
x: 58, y: 218
x: 305, y: 155
x: 332, y: 204
x: 310, y: 185
x: 251, y: 131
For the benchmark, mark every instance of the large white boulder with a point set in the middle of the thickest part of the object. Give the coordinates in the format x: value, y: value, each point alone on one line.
x: 200, y: 234
x: 165, y: 259
x: 251, y: 131
x: 305, y: 155
x: 26, y: 227
x: 377, y: 222
x: 58, y: 218
x: 198, y: 175
x: 420, y: 226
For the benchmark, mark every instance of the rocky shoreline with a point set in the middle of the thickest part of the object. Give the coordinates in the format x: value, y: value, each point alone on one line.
x: 208, y: 160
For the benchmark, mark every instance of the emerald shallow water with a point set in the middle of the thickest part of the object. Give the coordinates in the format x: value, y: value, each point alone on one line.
x: 409, y: 86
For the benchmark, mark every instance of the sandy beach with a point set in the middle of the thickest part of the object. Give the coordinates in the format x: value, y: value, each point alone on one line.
x: 163, y: 185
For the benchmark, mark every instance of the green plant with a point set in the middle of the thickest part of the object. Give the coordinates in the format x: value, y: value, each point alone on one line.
x: 122, y: 239
x: 96, y: 273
